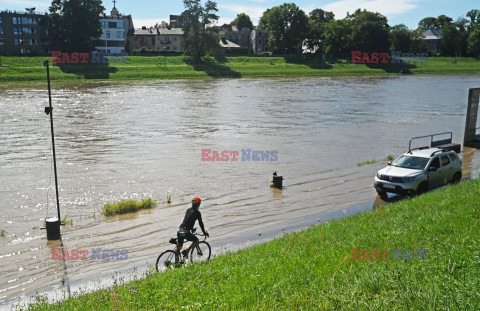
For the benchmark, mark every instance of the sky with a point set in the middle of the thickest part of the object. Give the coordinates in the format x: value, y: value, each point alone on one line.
x: 149, y: 12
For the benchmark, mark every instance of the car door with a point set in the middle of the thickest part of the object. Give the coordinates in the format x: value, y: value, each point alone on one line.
x: 434, y: 173
x: 446, y: 169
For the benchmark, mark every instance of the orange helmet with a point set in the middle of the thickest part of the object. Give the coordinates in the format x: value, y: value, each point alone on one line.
x: 196, y: 200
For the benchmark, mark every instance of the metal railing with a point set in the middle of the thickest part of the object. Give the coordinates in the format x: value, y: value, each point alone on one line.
x: 433, y: 143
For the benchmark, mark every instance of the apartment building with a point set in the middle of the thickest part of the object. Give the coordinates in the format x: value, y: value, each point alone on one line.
x: 115, y: 30
x: 24, y: 33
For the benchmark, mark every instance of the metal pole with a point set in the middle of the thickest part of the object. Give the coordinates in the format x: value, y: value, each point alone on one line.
x: 49, y: 110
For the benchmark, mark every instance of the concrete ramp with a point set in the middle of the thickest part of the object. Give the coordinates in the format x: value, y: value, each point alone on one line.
x: 471, y: 138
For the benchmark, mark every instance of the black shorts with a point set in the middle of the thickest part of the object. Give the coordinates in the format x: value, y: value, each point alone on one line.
x: 183, y: 234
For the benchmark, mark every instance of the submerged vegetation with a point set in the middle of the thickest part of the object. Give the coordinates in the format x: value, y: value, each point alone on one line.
x: 389, y: 158
x: 67, y: 221
x: 367, y: 162
x: 319, y: 268
x: 127, y: 206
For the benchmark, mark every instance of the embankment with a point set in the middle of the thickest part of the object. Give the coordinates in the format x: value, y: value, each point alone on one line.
x: 436, y: 238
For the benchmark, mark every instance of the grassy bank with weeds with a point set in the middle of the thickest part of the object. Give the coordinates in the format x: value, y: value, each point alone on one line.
x: 314, y: 269
x: 127, y: 206
x: 31, y: 69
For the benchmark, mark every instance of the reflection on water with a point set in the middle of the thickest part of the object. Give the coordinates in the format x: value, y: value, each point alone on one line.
x: 135, y: 140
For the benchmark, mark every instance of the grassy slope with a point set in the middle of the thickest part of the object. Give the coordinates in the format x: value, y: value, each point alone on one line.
x: 314, y: 269
x: 31, y: 69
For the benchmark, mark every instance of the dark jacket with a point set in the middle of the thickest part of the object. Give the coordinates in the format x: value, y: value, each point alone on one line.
x: 191, y: 215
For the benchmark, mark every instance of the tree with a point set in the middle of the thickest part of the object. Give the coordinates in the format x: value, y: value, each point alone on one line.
x: 370, y: 31
x: 428, y: 23
x: 76, y: 24
x: 474, y: 16
x: 243, y: 21
x: 473, y: 43
x: 401, y: 39
x: 450, y: 43
x: 435, y: 23
x: 337, y: 36
x: 163, y: 24
x: 287, y: 26
x: 443, y: 21
x: 462, y: 23
x: 317, y: 20
x: 418, y: 45
x: 398, y: 27
x: 198, y: 39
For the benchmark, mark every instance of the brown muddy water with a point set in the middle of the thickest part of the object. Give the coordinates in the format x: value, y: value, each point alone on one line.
x: 145, y: 139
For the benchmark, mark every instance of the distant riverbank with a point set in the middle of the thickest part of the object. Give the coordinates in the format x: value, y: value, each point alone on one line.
x: 31, y: 69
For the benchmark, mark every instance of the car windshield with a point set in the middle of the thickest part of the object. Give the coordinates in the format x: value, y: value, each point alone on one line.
x: 414, y: 163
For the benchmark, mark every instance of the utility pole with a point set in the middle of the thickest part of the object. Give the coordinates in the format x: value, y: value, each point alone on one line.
x: 49, y: 111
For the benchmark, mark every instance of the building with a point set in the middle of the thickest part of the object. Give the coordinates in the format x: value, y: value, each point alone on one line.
x: 239, y: 37
x: 259, y: 41
x: 432, y: 37
x: 157, y: 39
x: 115, y: 30
x: 24, y: 33
x: 229, y: 45
x: 175, y: 22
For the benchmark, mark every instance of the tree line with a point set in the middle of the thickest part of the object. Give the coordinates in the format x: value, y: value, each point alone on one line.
x: 76, y: 24
x: 290, y: 29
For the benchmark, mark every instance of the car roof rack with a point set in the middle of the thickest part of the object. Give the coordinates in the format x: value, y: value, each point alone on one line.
x: 419, y: 148
x: 439, y: 150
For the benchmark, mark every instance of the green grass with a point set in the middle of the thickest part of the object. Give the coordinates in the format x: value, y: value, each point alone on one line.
x: 314, y: 270
x: 2, y: 232
x: 127, y: 206
x: 367, y: 162
x: 31, y: 69
x: 67, y: 221
x: 388, y: 158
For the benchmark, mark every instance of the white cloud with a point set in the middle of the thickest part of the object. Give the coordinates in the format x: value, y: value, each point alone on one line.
x: 254, y: 12
x: 138, y: 23
x: 385, y: 7
x: 22, y: 4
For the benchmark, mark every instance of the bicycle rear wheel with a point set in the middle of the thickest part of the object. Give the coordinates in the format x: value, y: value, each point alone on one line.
x: 167, y: 260
x: 202, y: 252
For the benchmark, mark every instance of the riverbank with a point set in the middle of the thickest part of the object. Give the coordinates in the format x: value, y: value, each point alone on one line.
x: 322, y: 268
x: 31, y: 69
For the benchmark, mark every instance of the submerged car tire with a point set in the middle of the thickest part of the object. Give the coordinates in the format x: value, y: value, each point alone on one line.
x: 456, y: 178
x: 383, y: 195
x: 422, y: 188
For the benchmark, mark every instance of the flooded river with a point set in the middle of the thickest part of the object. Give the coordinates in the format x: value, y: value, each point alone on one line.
x: 145, y: 139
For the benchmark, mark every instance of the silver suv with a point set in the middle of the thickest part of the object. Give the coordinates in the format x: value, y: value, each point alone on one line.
x: 418, y: 171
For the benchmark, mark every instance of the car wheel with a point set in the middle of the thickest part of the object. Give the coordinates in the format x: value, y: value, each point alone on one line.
x: 422, y: 188
x: 383, y: 195
x: 456, y: 177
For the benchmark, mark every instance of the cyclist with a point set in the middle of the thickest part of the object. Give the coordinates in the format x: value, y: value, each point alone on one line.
x: 192, y: 215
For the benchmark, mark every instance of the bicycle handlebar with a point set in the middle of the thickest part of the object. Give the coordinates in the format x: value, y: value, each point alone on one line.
x: 194, y: 231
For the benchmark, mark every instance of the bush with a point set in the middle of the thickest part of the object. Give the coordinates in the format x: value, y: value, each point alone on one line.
x: 127, y: 206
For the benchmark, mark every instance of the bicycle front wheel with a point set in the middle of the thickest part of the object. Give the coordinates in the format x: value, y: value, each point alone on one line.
x: 167, y: 260
x: 201, y: 252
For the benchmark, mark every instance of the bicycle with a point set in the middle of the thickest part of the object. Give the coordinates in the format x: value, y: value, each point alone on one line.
x: 170, y: 259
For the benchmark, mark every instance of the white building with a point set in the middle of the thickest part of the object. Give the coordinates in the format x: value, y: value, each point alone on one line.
x: 115, y: 29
